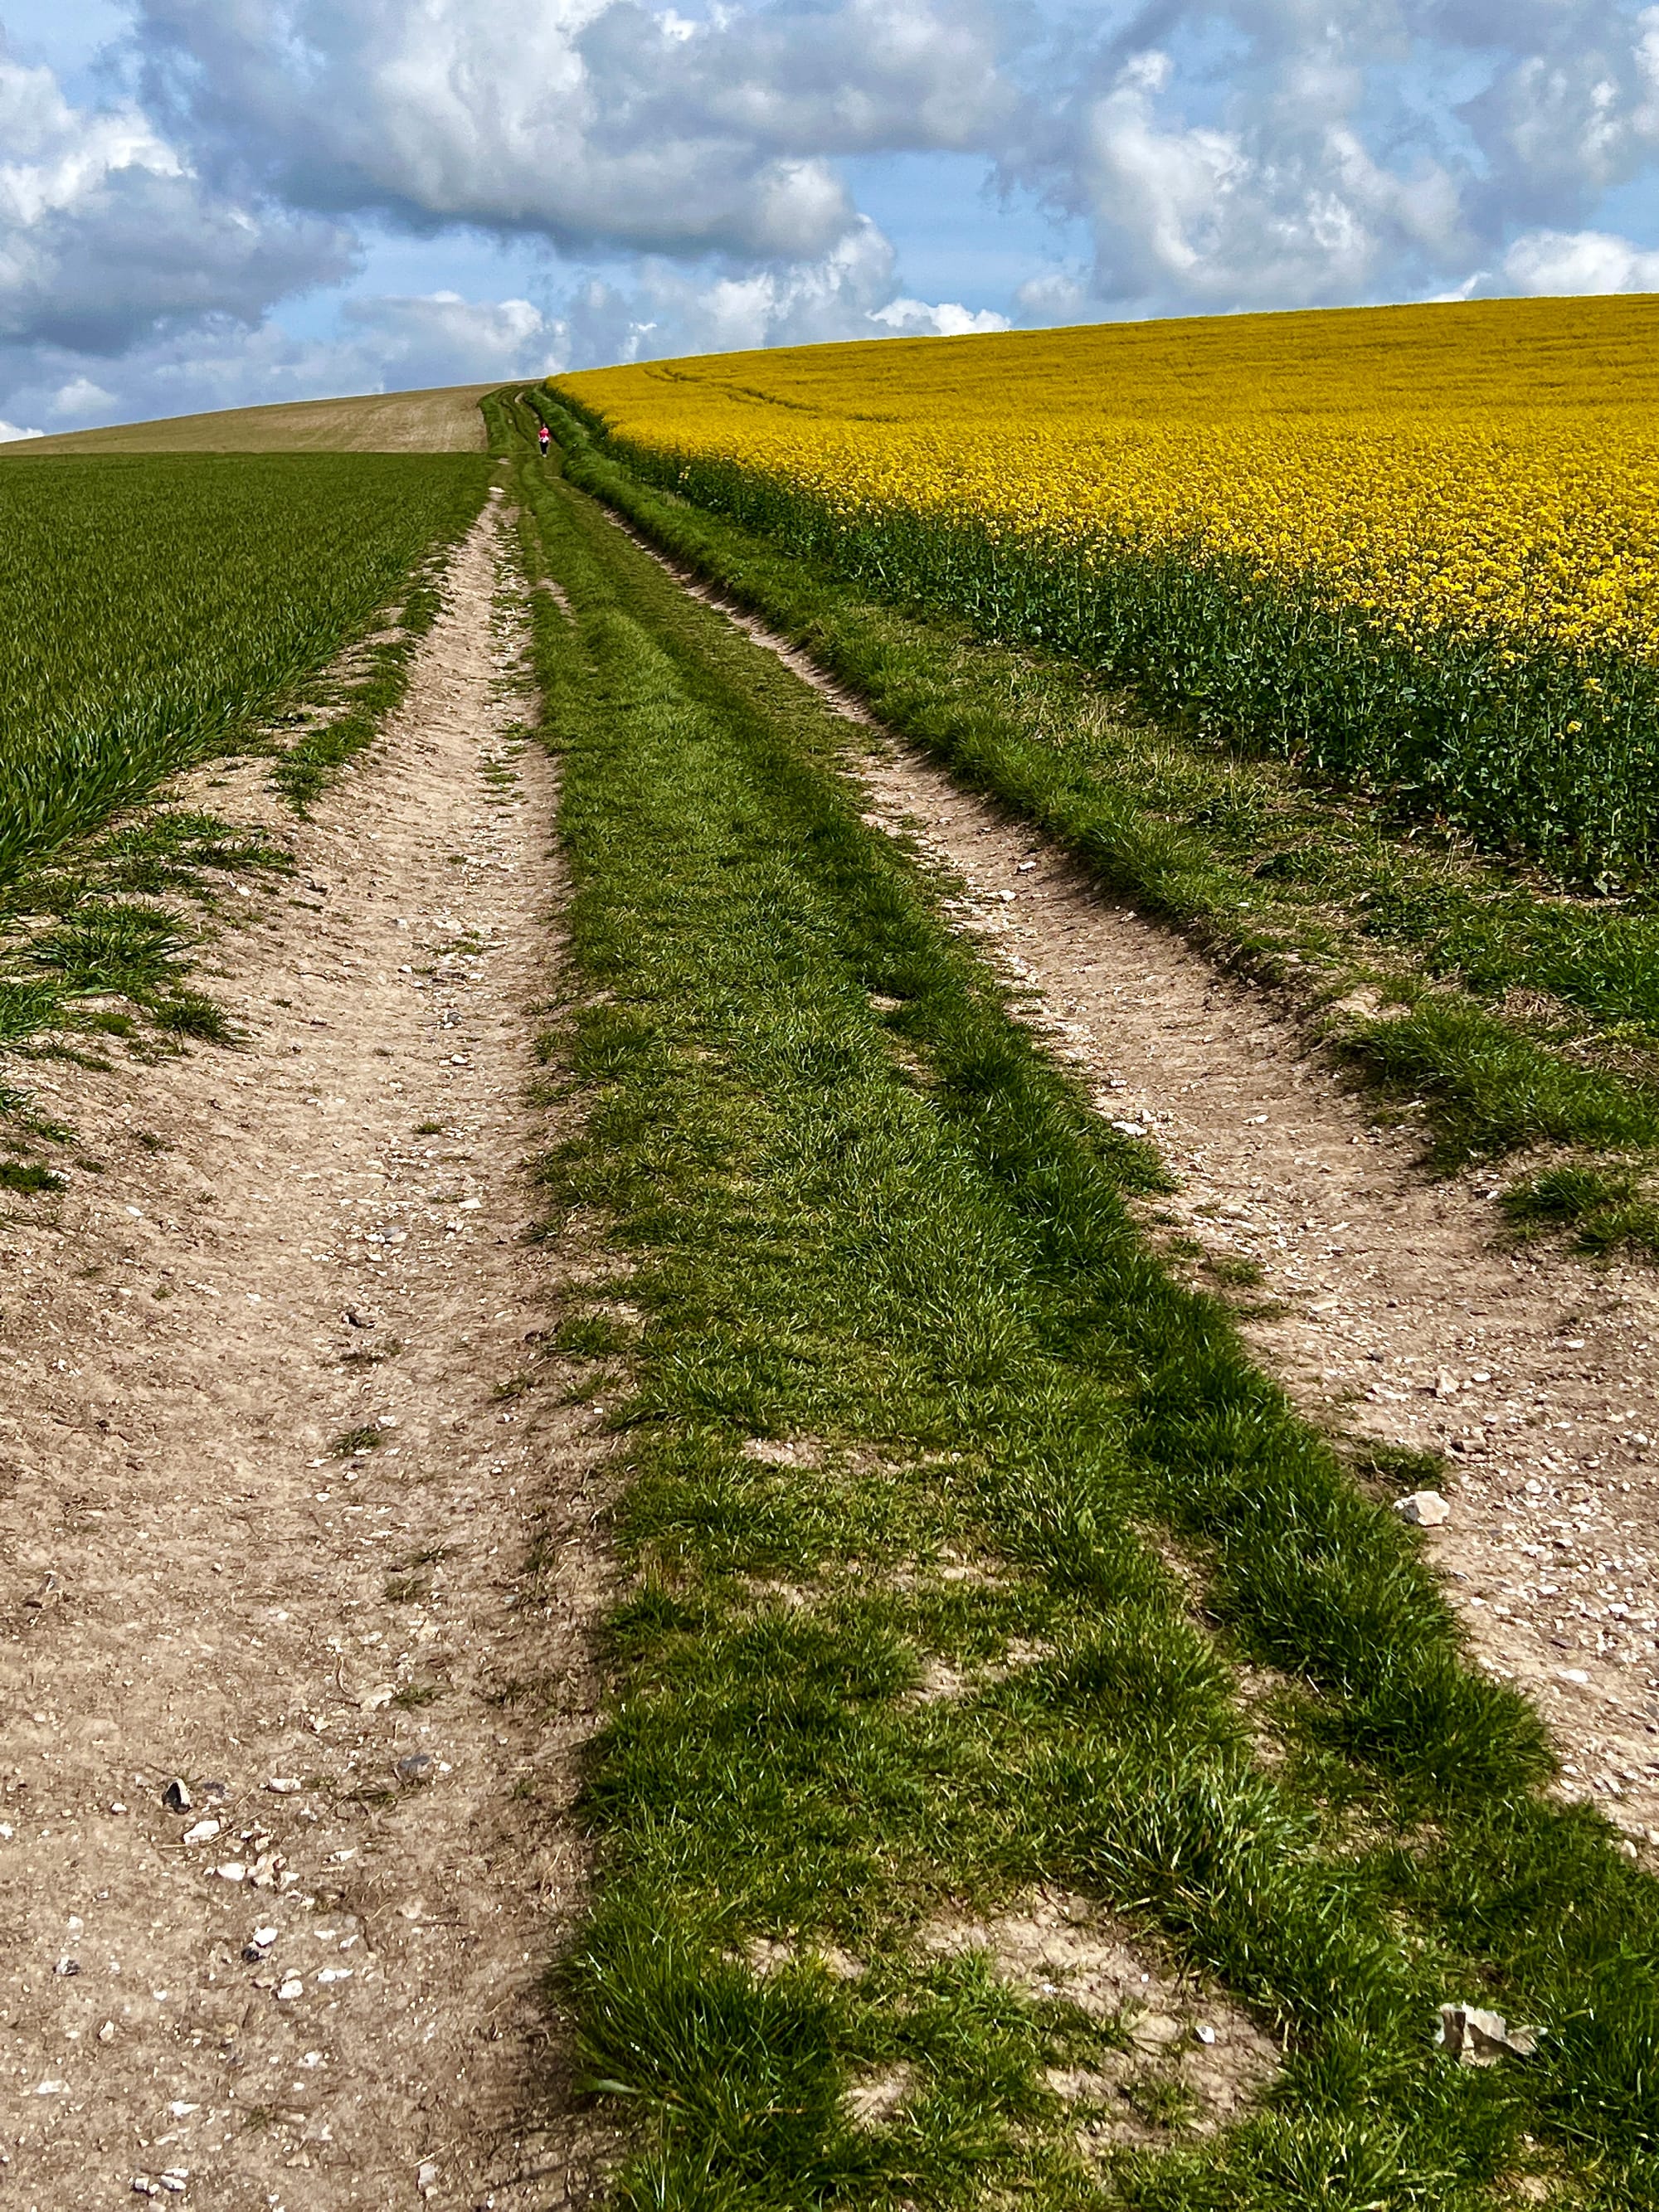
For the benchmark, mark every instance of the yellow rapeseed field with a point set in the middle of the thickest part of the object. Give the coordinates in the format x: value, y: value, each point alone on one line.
x: 1489, y: 467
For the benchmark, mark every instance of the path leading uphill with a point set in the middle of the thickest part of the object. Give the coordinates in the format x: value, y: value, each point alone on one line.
x: 1391, y: 1309
x: 286, y: 1519
x: 1396, y: 1310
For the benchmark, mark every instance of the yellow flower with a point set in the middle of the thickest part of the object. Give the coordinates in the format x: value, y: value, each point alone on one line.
x: 1487, y: 469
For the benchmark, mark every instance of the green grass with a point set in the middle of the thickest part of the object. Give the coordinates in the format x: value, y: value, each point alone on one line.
x: 27, y: 1178
x: 152, y: 611
x: 1015, y: 1435
x: 1512, y: 1019
x: 111, y: 917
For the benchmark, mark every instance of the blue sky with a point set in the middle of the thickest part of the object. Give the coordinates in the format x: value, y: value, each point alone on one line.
x: 208, y: 202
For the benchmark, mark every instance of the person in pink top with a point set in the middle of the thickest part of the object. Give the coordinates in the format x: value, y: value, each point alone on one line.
x: 544, y: 438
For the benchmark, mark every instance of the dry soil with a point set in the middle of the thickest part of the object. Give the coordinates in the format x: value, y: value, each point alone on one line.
x: 445, y: 420
x: 281, y: 1519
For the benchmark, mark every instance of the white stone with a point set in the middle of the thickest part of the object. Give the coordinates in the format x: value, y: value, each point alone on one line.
x: 1423, y: 1509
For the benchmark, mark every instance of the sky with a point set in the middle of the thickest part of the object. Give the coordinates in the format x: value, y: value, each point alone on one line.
x: 220, y: 203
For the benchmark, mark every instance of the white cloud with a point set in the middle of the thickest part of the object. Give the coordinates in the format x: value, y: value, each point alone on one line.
x: 915, y: 319
x: 1279, y: 201
x: 1568, y: 262
x: 849, y: 293
x: 1571, y: 113
x: 707, y: 161
x: 82, y: 397
x: 440, y: 337
x: 105, y: 236
x: 9, y: 434
x: 1054, y: 295
x: 593, y: 123
x: 385, y: 344
x: 1372, y: 148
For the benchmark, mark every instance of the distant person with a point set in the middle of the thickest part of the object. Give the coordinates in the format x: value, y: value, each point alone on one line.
x: 543, y: 437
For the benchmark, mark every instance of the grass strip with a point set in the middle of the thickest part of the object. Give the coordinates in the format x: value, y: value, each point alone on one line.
x: 302, y: 771
x: 909, y: 1395
x: 1510, y: 1016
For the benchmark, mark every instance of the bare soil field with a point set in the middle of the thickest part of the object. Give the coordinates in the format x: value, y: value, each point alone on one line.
x: 283, y: 1854
x: 444, y: 420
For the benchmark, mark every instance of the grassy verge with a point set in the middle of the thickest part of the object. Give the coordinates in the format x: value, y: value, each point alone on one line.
x: 972, y: 1558
x: 1511, y: 1018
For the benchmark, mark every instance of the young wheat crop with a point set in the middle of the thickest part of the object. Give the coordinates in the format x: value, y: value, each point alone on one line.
x: 151, y: 608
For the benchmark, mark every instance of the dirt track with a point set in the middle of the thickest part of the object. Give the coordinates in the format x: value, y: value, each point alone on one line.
x: 319, y: 1985
x: 1402, y: 1315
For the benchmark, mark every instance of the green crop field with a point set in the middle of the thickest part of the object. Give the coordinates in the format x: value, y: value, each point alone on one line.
x: 154, y: 614
x: 150, y: 610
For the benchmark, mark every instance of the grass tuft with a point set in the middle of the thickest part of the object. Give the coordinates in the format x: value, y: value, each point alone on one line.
x: 28, y: 1178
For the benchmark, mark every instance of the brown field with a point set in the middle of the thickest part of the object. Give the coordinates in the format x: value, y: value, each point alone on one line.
x: 445, y: 421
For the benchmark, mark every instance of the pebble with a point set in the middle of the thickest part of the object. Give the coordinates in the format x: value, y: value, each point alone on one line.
x: 291, y: 1988
x: 177, y: 1799
x: 426, y: 2176
x: 1475, y: 2037
x: 203, y: 1831
x: 415, y: 1768
x: 284, y: 1785
x: 1423, y: 1509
